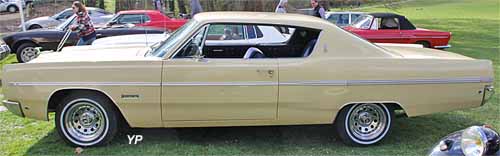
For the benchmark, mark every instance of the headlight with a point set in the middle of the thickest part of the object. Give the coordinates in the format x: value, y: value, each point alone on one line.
x: 474, y: 141
x: 2, y: 42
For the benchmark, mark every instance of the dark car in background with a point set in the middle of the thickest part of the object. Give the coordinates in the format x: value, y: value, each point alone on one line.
x: 24, y: 44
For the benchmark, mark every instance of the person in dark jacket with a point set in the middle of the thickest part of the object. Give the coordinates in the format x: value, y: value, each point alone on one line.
x: 84, y: 27
x: 319, y: 11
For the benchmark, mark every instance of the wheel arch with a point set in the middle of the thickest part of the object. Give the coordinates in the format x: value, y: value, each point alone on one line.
x: 22, y: 41
x: 56, y: 96
x: 424, y: 41
x: 393, y: 105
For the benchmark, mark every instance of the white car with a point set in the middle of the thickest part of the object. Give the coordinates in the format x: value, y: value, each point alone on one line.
x: 343, y: 19
x: 249, y: 35
x: 10, y: 5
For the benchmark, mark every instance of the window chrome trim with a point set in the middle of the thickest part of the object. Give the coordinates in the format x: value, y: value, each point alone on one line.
x: 269, y: 83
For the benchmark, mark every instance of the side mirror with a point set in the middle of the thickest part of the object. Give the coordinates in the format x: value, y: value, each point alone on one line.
x: 111, y: 23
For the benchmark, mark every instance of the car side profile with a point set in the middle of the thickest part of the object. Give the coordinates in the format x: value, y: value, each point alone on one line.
x: 98, y: 16
x: 147, y: 18
x: 10, y: 6
x: 25, y: 44
x: 320, y: 75
x: 394, y: 28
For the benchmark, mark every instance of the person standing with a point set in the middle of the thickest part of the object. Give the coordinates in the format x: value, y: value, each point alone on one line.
x: 158, y: 4
x: 318, y: 10
x: 282, y: 6
x: 84, y: 27
x: 195, y: 7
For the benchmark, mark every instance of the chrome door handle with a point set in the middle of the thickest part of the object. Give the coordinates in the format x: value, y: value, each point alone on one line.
x: 217, y: 50
x: 270, y: 72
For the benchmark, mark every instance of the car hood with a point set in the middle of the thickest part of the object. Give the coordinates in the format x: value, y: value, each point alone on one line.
x: 95, y: 54
x: 41, y: 19
x: 136, y: 39
x: 415, y: 52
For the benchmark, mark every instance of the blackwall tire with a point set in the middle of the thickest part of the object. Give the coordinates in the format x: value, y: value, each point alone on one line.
x: 86, y: 119
x: 364, y: 124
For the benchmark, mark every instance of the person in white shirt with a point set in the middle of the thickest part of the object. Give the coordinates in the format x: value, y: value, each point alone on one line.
x: 282, y: 5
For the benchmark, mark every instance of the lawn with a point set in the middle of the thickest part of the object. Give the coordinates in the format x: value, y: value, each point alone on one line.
x: 476, y: 33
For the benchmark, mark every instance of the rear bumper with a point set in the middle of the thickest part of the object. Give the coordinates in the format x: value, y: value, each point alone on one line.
x: 443, y: 47
x: 14, y: 107
x: 489, y: 92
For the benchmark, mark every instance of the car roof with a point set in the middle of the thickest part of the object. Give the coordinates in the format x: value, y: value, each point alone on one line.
x: 344, y: 12
x: 264, y: 18
x: 384, y: 15
x: 138, y: 11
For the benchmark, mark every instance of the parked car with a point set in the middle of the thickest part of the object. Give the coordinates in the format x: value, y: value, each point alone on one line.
x: 98, y: 16
x: 25, y: 44
x: 394, y: 28
x: 147, y: 18
x: 321, y: 75
x: 10, y: 6
x: 473, y: 141
x: 248, y: 35
x: 343, y: 19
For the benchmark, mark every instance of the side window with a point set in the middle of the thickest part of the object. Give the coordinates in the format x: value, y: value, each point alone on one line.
x: 355, y: 16
x: 65, y: 14
x: 251, y: 31
x: 225, y: 32
x: 333, y: 18
x: 259, y: 32
x: 193, y: 46
x: 389, y: 23
x: 132, y: 18
x: 269, y: 41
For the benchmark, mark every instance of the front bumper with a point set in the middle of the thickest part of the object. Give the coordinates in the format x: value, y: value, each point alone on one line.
x: 4, y: 51
x: 442, y: 47
x: 14, y: 107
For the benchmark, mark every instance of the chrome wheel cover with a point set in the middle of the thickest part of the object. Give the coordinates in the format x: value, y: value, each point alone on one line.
x: 28, y: 54
x: 12, y: 9
x: 367, y: 122
x: 84, y: 122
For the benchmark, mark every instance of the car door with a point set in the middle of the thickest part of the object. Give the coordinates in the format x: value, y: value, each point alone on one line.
x: 216, y: 89
x: 385, y: 30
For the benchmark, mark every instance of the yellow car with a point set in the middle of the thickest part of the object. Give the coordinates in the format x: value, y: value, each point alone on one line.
x: 320, y: 75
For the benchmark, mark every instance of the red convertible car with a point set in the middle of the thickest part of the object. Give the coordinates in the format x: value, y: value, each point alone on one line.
x: 394, y: 28
x: 146, y: 18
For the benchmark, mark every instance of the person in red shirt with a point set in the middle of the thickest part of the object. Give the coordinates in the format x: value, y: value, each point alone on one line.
x: 83, y: 26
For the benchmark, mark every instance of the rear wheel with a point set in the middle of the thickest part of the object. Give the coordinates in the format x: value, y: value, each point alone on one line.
x: 26, y: 52
x: 12, y: 9
x: 34, y: 26
x: 364, y: 123
x: 86, y: 119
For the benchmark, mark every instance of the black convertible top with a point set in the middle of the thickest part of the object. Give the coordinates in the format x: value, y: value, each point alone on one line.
x: 403, y: 21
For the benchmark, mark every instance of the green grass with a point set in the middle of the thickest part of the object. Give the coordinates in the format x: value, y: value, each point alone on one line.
x: 475, y: 25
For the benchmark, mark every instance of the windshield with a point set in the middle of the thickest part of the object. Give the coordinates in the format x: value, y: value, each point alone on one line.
x: 363, y: 22
x: 65, y: 24
x: 165, y: 46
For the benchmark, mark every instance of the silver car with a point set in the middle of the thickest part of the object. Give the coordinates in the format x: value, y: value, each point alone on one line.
x: 99, y: 16
x: 10, y: 5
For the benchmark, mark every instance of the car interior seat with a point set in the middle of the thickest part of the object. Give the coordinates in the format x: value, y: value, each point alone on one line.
x: 309, y: 48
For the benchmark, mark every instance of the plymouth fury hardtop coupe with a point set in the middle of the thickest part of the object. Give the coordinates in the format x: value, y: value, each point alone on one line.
x: 320, y: 75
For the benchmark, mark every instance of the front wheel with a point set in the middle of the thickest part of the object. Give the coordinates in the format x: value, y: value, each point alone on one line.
x: 364, y: 124
x: 86, y: 119
x: 26, y: 52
